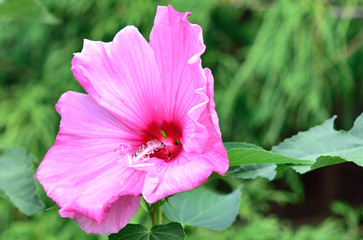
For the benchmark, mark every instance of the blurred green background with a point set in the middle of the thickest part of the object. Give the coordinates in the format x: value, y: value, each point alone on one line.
x: 280, y: 66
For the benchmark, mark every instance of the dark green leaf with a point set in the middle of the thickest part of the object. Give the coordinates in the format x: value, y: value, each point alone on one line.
x: 17, y: 181
x: 325, y: 146
x: 26, y: 9
x: 170, y: 231
x: 131, y: 231
x: 203, y: 208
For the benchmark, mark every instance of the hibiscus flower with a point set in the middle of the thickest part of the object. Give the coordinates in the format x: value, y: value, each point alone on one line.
x: 147, y: 126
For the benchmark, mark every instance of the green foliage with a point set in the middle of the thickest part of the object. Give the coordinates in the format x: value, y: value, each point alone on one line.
x: 202, y: 208
x: 256, y: 196
x: 170, y: 231
x: 352, y: 216
x: 318, y: 147
x: 29, y: 120
x: 325, y: 146
x: 255, y: 225
x: 43, y: 225
x: 272, y: 229
x: 26, y: 9
x: 16, y: 180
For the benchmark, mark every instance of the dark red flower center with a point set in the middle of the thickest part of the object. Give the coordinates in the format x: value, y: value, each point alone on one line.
x: 169, y: 134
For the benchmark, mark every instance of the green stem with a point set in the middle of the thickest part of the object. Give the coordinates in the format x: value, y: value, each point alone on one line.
x: 160, y: 215
x: 156, y: 213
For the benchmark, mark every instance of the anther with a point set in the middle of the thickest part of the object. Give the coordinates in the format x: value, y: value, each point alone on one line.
x: 143, y: 152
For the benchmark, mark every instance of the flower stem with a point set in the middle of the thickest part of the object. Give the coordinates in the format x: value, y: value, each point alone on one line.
x: 156, y: 213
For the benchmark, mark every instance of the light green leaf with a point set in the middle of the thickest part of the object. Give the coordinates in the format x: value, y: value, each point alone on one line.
x: 249, y: 171
x: 170, y: 231
x: 203, y: 208
x: 17, y: 181
x: 325, y: 146
x: 248, y: 156
x: 26, y: 9
x: 252, y: 171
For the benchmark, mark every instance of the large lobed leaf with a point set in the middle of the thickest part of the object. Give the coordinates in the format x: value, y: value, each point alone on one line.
x: 17, y: 181
x: 203, y: 208
x: 325, y: 146
x: 318, y: 147
x: 170, y: 231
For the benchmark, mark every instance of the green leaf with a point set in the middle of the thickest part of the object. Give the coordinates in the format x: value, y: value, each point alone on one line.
x: 17, y: 181
x: 325, y: 146
x: 131, y: 231
x: 252, y: 171
x: 231, y: 145
x: 170, y: 231
x: 322, y: 161
x: 203, y: 208
x: 26, y: 9
x: 248, y: 156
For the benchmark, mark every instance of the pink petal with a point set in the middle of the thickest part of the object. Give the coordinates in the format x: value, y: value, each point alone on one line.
x: 121, y: 76
x: 177, y: 45
x: 119, y: 214
x: 86, y: 169
x: 181, y: 174
x: 212, y: 105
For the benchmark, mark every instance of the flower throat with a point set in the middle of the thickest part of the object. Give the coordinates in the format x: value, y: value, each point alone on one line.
x: 168, y: 137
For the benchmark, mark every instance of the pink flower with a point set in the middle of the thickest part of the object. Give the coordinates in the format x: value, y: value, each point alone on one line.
x: 147, y: 126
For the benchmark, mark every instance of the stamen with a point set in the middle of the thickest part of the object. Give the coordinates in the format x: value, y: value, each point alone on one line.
x: 142, y: 153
